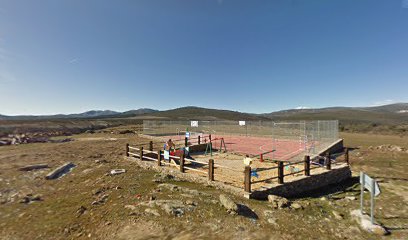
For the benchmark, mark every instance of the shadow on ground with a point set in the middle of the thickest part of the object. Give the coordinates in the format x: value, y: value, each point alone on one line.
x: 349, y: 185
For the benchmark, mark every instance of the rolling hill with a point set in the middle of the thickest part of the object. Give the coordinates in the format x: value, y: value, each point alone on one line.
x: 387, y: 114
x: 388, y: 118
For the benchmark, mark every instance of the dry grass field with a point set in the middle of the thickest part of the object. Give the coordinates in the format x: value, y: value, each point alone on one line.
x: 88, y: 203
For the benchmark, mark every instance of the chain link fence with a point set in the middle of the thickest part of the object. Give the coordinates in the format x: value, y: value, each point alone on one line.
x: 312, y: 136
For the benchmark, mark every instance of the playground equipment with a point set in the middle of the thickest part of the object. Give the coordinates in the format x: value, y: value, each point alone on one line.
x: 213, y: 142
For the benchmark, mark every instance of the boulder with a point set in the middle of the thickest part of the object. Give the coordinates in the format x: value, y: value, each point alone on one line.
x: 152, y: 212
x: 117, y: 171
x: 169, y: 186
x: 351, y: 198
x: 61, y: 170
x: 365, y: 222
x: 278, y: 202
x: 338, y: 215
x: 296, y: 206
x: 173, y: 207
x: 228, y: 203
x: 162, y: 177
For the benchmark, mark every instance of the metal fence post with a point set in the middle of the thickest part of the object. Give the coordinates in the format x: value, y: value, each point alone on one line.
x: 372, y: 199
x: 127, y: 149
x: 185, y: 141
x: 362, y: 181
x: 199, y: 140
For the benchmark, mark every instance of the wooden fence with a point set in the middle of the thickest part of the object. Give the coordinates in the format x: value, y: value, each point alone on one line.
x: 180, y: 163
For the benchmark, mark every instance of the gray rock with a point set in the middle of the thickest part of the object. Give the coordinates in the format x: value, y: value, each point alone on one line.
x: 338, y: 215
x: 130, y: 207
x: 278, y: 202
x: 169, y: 186
x: 152, y: 212
x: 101, y: 200
x: 173, y: 207
x: 296, y: 206
x: 228, y: 203
x: 161, y: 177
x: 60, y: 171
x: 365, y: 223
x: 268, y: 213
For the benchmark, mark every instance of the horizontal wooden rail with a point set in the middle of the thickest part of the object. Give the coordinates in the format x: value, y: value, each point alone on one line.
x: 193, y: 169
x: 266, y: 169
x: 195, y: 161
x: 148, y: 151
x: 134, y: 154
x: 173, y: 157
x: 224, y: 167
x: 289, y: 174
x: 264, y: 180
x: 153, y: 159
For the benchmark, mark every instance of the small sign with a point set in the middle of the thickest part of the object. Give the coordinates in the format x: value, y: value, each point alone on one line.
x: 371, y: 185
x: 166, y: 155
x: 241, y: 123
x: 187, y: 134
x: 194, y: 123
x: 367, y: 181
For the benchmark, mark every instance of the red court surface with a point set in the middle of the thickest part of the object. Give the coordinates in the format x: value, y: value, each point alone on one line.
x: 254, y: 146
x: 283, y: 149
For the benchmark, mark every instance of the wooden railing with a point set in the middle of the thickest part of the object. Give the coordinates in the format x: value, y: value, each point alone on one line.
x: 158, y: 156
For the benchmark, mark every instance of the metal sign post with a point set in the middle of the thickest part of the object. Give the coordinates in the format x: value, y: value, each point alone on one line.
x: 372, y: 186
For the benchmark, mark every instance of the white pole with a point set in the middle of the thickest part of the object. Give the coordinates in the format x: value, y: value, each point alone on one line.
x: 372, y: 199
x: 362, y: 192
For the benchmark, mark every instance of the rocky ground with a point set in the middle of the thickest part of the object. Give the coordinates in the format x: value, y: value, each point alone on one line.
x: 89, y: 202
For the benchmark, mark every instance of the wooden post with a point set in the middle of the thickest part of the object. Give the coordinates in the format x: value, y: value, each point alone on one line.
x: 307, y: 165
x: 182, y: 163
x: 346, y: 156
x: 328, y: 163
x: 211, y: 169
x: 141, y: 153
x: 261, y: 160
x: 151, y: 146
x: 127, y: 149
x: 247, y: 179
x: 199, y: 140
x: 159, y: 158
x: 280, y: 172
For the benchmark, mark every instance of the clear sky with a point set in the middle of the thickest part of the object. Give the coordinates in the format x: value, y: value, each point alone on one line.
x: 246, y: 55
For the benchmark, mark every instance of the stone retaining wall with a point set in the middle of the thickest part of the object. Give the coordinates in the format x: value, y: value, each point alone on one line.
x: 304, y: 184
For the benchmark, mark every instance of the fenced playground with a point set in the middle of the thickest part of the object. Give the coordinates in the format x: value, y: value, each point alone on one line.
x: 280, y: 152
x: 284, y: 141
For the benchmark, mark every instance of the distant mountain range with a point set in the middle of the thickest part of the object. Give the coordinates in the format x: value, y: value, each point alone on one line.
x: 88, y: 114
x: 387, y: 114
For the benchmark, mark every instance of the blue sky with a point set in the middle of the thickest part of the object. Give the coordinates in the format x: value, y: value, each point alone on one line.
x: 253, y: 56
